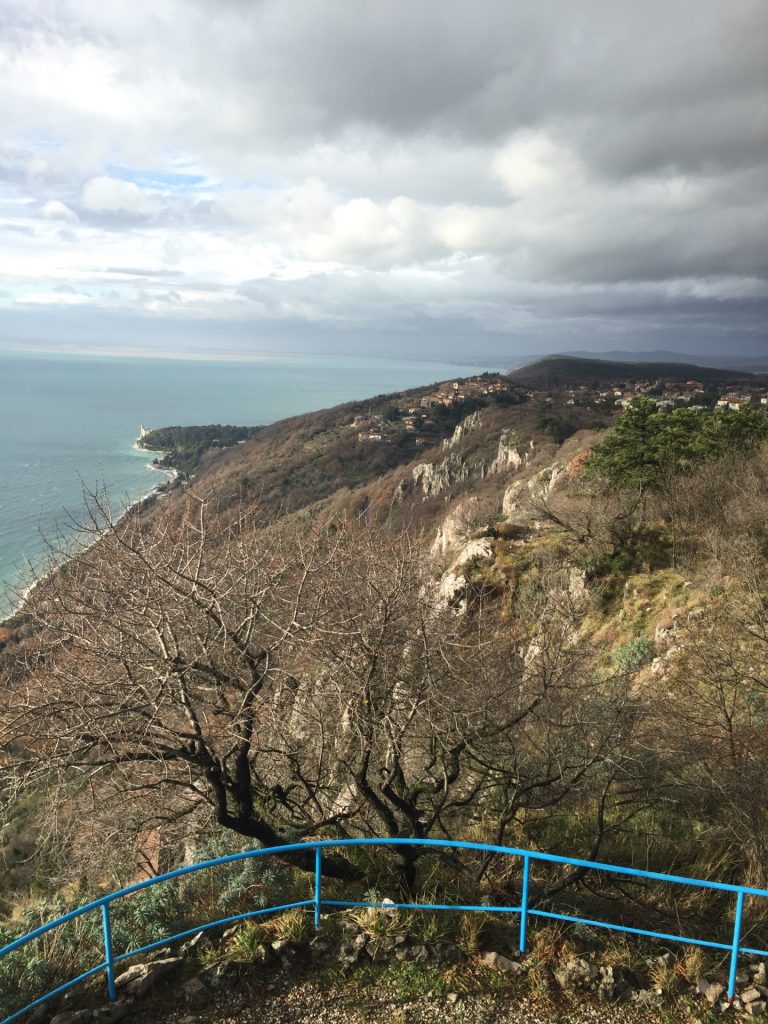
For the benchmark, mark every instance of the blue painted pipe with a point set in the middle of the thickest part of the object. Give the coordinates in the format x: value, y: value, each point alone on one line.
x: 317, y: 902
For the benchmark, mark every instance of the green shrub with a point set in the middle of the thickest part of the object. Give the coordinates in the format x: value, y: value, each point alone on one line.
x: 633, y: 654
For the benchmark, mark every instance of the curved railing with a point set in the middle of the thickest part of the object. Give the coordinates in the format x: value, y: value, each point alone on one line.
x: 111, y: 960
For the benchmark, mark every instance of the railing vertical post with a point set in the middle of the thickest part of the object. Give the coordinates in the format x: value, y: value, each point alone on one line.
x: 318, y: 886
x: 524, y: 903
x: 109, y: 957
x: 735, y: 946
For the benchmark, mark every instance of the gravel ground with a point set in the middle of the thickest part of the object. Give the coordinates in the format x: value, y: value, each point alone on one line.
x: 304, y: 1003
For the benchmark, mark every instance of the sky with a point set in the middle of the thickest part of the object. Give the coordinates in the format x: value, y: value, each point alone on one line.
x: 406, y: 177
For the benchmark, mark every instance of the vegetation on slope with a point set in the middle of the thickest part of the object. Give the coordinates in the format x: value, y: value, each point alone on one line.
x: 601, y: 688
x: 184, y: 447
x: 648, y: 447
x: 570, y: 371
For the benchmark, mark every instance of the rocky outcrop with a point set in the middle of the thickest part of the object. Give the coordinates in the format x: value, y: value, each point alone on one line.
x: 467, y: 425
x: 474, y: 551
x: 455, y: 528
x: 398, y: 495
x: 452, y: 592
x: 511, y: 453
x: 577, y: 584
x: 454, y: 585
x: 436, y: 477
x: 541, y: 485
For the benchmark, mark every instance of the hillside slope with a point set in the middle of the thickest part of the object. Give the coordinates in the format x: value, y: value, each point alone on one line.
x: 331, y: 630
x: 570, y: 371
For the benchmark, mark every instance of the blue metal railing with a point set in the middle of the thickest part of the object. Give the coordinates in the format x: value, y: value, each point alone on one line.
x: 733, y: 948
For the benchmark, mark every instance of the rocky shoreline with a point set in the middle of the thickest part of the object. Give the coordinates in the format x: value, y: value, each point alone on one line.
x: 143, y: 501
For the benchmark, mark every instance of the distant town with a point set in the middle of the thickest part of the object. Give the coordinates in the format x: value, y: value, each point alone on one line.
x: 415, y: 416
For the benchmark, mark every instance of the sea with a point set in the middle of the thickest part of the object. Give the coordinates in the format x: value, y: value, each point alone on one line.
x: 70, y: 422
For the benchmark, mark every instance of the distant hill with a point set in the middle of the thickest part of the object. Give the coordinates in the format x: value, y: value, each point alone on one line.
x: 562, y: 371
x: 753, y: 363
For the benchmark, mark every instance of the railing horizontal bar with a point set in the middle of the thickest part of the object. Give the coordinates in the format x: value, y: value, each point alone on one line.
x: 55, y: 992
x: 550, y: 858
x: 305, y: 848
x: 325, y: 844
x: 753, y: 952
x: 421, y: 906
x: 631, y: 931
x: 205, y: 927
x: 18, y: 943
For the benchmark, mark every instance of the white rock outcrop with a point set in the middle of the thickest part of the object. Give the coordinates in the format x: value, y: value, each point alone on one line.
x: 399, y: 493
x: 452, y: 591
x: 455, y: 528
x: 508, y: 454
x: 475, y: 551
x: 436, y: 477
x: 577, y: 584
x: 540, y: 485
x: 454, y: 585
x: 467, y: 425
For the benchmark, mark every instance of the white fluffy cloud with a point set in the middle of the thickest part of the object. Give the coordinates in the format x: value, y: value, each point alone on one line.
x: 113, y: 195
x: 309, y: 162
x: 54, y: 209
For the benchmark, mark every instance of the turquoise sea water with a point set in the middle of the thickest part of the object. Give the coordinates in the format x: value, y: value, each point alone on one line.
x: 71, y: 421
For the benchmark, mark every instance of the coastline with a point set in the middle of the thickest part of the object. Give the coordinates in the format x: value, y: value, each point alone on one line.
x: 89, y: 401
x: 153, y: 494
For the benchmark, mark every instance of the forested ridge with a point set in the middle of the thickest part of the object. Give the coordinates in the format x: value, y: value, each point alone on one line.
x: 184, y: 447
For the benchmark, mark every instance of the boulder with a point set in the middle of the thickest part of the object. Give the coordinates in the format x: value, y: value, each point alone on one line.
x: 140, y: 978
x: 711, y: 990
x: 647, y: 997
x: 445, y: 953
x: 415, y: 954
x: 289, y: 953
x: 577, y: 974
x: 502, y: 963
x: 113, y: 1012
x: 382, y: 947
x: 193, y: 989
x: 353, y: 951
x: 615, y: 984
x: 41, y: 1014
x: 320, y: 949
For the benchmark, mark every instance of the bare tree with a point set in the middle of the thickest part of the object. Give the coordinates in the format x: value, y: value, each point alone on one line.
x: 449, y: 719
x: 161, y: 655
x: 291, y: 680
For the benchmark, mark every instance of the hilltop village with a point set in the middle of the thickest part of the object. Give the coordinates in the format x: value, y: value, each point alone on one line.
x: 417, y: 416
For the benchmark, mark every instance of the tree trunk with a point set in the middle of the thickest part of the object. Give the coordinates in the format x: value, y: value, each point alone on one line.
x: 405, y: 861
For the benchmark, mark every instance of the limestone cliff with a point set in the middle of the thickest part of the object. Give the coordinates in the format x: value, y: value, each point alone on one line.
x: 435, y: 477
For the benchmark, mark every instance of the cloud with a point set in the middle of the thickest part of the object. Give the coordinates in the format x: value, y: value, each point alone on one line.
x: 113, y: 195
x: 55, y: 298
x: 54, y: 209
x: 593, y: 164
